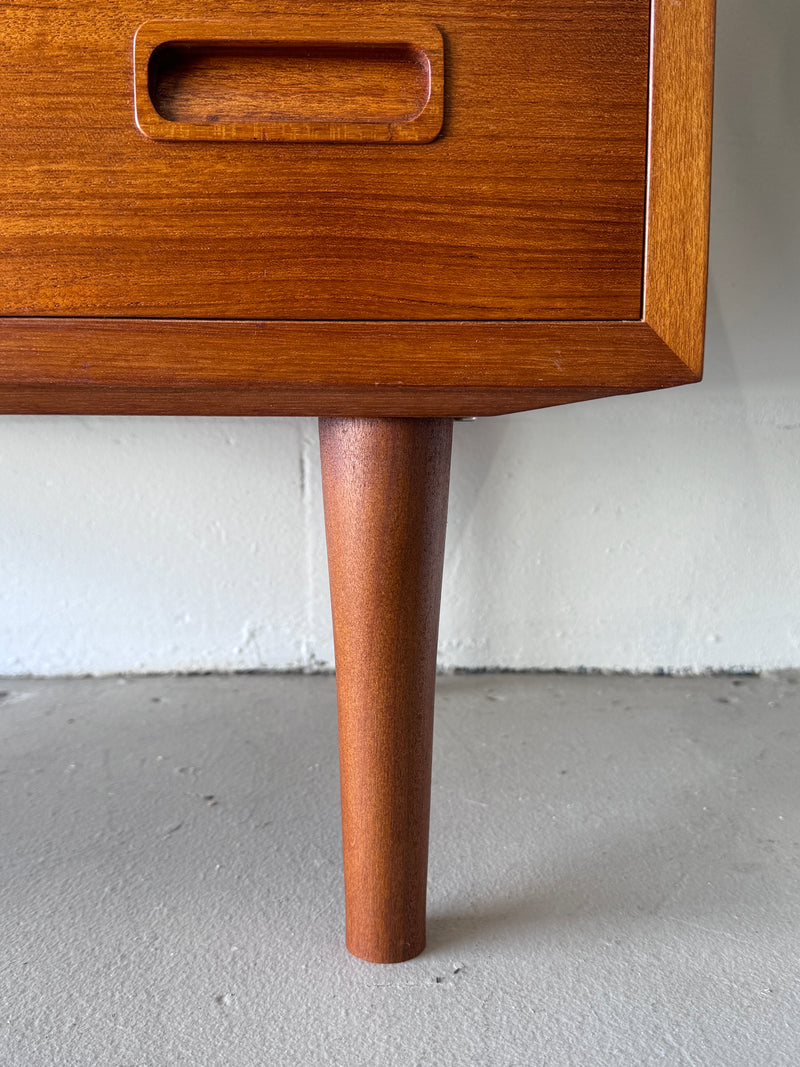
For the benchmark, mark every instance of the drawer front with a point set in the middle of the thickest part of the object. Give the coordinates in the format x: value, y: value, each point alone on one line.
x: 529, y: 204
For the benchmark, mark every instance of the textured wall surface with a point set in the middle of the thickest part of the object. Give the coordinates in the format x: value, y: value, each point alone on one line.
x: 639, y: 533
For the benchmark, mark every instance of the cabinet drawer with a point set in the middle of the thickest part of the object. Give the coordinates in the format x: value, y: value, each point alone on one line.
x: 529, y: 204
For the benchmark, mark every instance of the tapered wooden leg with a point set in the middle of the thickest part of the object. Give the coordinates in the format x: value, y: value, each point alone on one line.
x: 385, y: 485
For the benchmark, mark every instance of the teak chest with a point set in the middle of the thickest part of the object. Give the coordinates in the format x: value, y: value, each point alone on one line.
x: 384, y: 214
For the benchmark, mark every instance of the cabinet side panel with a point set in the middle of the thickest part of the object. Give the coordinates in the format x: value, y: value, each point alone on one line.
x: 676, y: 261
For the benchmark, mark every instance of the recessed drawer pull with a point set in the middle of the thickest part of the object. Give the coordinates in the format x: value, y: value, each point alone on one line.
x: 286, y: 80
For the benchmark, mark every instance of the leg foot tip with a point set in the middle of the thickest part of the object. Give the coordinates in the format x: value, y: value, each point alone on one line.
x: 386, y: 953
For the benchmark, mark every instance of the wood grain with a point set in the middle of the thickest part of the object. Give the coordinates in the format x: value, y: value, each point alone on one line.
x: 282, y: 368
x: 385, y: 485
x: 289, y: 80
x: 679, y: 184
x: 529, y: 205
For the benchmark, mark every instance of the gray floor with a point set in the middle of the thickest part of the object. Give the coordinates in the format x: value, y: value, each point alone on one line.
x: 613, y: 880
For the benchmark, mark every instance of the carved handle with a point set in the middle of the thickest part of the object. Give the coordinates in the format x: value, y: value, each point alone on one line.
x: 289, y: 80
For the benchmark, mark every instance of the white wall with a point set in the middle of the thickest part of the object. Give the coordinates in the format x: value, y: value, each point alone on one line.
x: 659, y: 531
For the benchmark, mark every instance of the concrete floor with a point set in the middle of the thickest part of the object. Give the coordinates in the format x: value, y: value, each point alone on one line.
x: 614, y: 877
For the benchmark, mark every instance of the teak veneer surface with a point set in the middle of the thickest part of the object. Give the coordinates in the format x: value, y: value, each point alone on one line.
x: 530, y: 205
x: 291, y: 368
x: 679, y: 179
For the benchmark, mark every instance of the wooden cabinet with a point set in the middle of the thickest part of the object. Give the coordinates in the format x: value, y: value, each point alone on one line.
x: 410, y: 208
x: 385, y: 214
